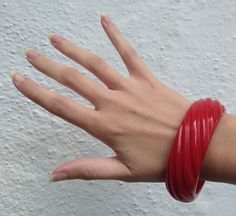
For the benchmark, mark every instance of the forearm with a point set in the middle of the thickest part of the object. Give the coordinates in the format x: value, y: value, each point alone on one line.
x: 220, y: 161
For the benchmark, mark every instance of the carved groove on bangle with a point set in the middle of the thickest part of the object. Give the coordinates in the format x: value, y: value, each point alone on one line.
x: 189, y: 149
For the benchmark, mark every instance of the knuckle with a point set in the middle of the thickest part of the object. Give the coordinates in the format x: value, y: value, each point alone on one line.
x: 65, y: 47
x: 115, y: 131
x: 58, y: 104
x: 94, y: 127
x: 89, y: 173
x: 129, y: 52
x: 69, y: 76
x: 104, y: 99
x: 106, y: 130
x: 30, y: 89
x: 98, y: 63
x: 111, y: 132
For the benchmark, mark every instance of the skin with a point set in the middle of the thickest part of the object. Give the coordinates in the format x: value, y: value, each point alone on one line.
x: 137, y: 117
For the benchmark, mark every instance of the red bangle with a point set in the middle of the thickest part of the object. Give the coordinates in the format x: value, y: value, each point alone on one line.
x: 189, y: 149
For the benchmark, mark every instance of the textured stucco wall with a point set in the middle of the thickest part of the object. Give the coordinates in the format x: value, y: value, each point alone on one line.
x: 189, y: 44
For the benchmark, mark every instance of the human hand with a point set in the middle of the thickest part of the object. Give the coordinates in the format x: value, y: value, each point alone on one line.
x: 138, y: 117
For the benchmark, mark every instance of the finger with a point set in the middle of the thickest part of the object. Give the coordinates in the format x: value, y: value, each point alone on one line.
x: 92, y: 169
x: 133, y: 62
x: 90, y: 61
x: 69, y: 77
x: 55, y: 103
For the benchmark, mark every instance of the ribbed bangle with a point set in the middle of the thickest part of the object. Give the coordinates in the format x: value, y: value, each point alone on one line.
x: 189, y: 149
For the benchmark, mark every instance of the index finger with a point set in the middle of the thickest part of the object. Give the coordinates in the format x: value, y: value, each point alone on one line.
x: 130, y: 57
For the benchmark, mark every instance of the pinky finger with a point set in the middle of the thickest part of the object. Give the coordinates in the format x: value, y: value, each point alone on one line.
x: 54, y: 102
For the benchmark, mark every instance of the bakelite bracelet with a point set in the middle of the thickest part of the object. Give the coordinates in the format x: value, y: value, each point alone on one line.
x: 189, y: 149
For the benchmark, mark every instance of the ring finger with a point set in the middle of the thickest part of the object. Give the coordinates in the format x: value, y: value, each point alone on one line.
x: 56, y: 103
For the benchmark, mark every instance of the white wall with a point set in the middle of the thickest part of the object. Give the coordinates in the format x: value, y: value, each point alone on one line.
x: 189, y: 44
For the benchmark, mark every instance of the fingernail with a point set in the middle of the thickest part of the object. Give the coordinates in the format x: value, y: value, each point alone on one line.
x: 17, y: 77
x: 105, y: 19
x: 30, y: 54
x: 54, y: 38
x: 60, y: 176
x: 103, y: 14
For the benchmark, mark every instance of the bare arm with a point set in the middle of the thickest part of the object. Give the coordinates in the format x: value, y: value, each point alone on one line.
x: 220, y: 161
x: 138, y: 117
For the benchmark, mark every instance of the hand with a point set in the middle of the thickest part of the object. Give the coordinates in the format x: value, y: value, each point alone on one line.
x: 138, y: 117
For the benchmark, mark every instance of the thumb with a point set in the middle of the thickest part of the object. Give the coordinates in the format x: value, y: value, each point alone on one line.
x: 92, y: 168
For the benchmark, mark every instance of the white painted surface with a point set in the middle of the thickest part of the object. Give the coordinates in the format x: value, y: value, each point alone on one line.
x: 189, y: 44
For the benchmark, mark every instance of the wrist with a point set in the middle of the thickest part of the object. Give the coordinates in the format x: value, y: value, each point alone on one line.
x: 183, y: 179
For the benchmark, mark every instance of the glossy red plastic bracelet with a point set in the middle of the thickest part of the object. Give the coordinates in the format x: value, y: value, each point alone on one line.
x: 189, y: 149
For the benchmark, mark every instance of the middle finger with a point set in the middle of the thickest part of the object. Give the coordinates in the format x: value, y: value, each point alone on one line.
x: 69, y: 77
x: 90, y: 61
